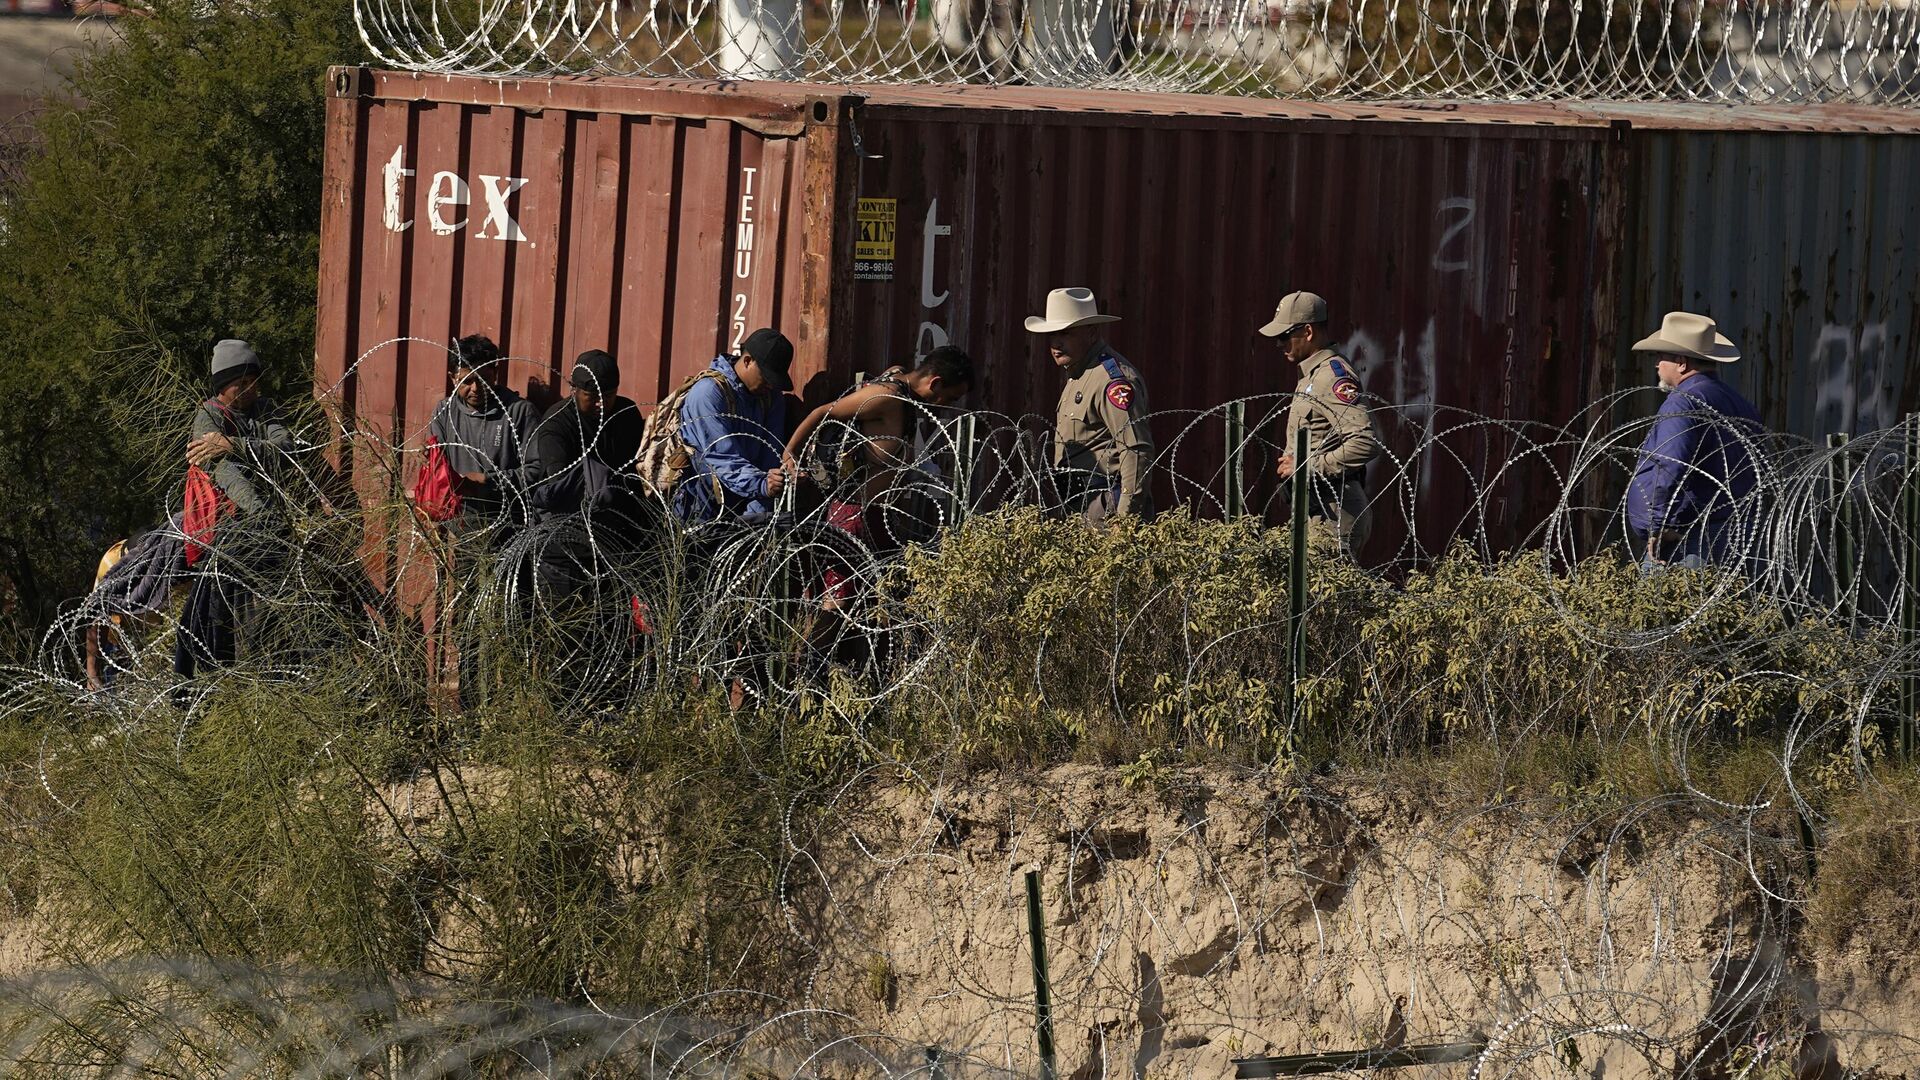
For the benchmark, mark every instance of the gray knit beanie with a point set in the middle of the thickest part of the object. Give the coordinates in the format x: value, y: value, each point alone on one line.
x: 232, y: 359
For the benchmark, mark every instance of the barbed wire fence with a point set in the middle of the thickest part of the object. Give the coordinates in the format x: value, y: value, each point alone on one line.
x: 1734, y: 51
x: 1199, y: 913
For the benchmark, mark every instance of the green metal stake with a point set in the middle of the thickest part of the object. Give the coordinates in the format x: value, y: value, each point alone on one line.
x: 1839, y: 486
x: 1297, y: 576
x: 1236, y: 502
x: 1042, y: 997
x: 1910, y: 595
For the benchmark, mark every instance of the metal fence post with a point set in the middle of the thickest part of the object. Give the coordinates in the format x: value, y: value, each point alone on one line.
x: 1297, y: 576
x: 1042, y: 996
x: 1910, y: 586
x: 1839, y: 488
x: 1236, y: 495
x: 965, y: 435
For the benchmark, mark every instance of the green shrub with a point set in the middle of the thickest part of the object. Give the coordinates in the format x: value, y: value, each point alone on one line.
x: 1513, y: 650
x: 174, y: 201
x: 290, y: 827
x: 1122, y: 639
x: 1865, y: 898
x: 1116, y: 643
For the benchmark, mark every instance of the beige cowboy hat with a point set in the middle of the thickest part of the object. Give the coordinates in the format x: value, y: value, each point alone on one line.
x: 1066, y: 309
x: 1686, y: 334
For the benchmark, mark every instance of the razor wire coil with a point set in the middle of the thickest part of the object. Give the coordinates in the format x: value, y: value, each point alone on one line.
x: 1721, y: 51
x: 729, y: 601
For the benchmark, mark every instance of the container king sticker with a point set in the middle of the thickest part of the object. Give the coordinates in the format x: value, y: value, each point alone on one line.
x: 873, y: 243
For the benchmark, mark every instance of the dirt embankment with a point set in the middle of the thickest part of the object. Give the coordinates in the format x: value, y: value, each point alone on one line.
x: 1197, y: 918
x: 1216, y: 918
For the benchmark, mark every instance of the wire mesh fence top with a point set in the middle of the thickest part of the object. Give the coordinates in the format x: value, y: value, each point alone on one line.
x: 1654, y: 50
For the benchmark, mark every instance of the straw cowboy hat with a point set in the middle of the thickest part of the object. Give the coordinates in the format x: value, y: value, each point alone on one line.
x: 1685, y: 334
x: 1066, y: 309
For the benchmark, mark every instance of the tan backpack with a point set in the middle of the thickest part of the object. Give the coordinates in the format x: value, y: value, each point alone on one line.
x: 664, y: 456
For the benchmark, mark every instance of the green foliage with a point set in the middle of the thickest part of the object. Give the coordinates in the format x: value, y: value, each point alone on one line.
x: 1515, y: 650
x: 548, y: 845
x: 1865, y: 900
x: 1122, y: 639
x: 517, y: 860
x: 175, y: 201
x: 1112, y: 644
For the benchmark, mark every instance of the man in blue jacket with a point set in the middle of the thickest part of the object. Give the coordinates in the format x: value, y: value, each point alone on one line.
x: 734, y: 423
x: 1694, y: 469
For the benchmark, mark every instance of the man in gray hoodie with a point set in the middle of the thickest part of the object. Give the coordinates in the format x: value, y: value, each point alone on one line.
x: 485, y: 430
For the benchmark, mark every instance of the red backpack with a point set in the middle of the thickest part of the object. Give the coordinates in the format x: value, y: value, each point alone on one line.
x: 203, y: 507
x: 437, y: 491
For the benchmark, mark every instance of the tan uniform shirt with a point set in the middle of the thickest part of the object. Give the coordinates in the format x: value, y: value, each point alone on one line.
x: 1340, y: 434
x: 1101, y: 426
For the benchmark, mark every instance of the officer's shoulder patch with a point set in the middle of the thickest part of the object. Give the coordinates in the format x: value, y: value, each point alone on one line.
x: 1120, y: 394
x: 1346, y: 386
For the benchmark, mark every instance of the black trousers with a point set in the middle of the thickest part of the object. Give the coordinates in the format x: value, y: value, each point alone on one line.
x: 209, y: 624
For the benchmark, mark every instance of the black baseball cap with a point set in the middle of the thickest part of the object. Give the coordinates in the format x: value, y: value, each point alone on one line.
x: 774, y: 353
x: 595, y: 370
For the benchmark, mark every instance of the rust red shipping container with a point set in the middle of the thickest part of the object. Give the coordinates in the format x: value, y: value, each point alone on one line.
x: 1489, y: 259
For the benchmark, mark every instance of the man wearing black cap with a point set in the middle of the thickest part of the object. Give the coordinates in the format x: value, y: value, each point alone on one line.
x: 241, y: 442
x: 733, y: 422
x: 578, y: 466
x: 585, y: 443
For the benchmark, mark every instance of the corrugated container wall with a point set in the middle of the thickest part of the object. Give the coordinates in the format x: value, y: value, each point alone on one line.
x: 1480, y: 260
x: 1805, y: 247
x: 554, y: 218
x: 1458, y: 263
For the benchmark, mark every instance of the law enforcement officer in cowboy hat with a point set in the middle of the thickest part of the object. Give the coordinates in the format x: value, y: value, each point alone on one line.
x: 1102, y: 448
x: 1327, y: 402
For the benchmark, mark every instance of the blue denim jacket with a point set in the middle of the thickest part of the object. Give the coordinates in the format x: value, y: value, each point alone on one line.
x: 736, y: 446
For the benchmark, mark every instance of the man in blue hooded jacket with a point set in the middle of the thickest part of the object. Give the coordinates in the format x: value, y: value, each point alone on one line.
x: 734, y: 423
x: 1694, y: 469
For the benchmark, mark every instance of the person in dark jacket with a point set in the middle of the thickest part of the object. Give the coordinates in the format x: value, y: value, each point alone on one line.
x: 579, y: 474
x: 1694, y: 470
x: 486, y: 431
x: 239, y: 438
x: 137, y: 579
x: 737, y: 433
